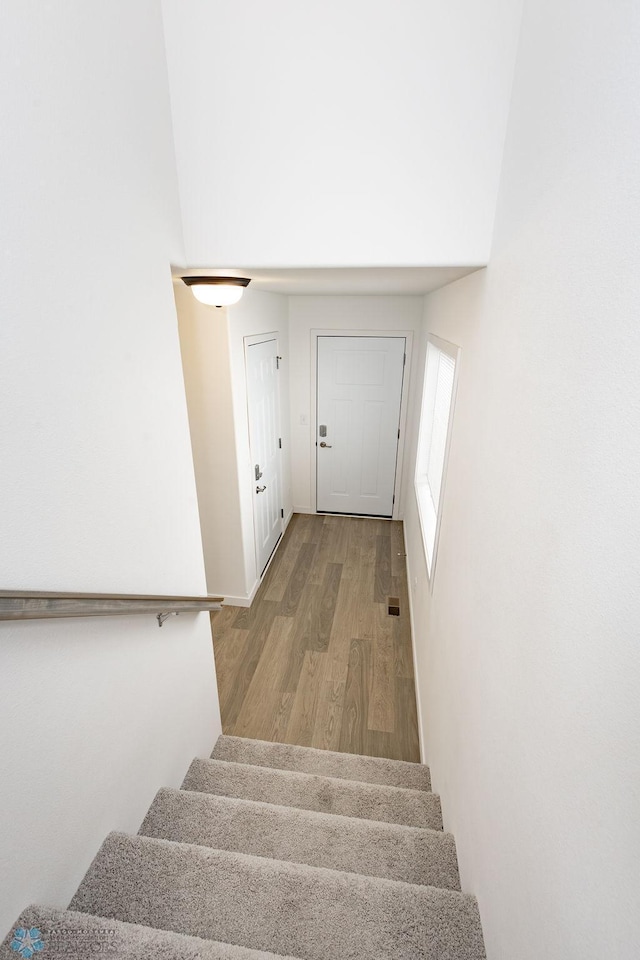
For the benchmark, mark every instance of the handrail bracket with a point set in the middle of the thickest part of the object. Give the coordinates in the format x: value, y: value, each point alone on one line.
x: 161, y: 617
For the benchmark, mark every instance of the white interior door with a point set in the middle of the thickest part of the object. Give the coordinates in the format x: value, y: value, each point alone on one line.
x: 359, y: 395
x: 264, y: 437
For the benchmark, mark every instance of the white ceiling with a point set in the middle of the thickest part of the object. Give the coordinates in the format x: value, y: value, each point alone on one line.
x: 349, y: 281
x: 340, y: 133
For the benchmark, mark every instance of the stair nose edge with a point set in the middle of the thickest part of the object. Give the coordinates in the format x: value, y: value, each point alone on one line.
x: 419, y: 855
x: 286, y: 756
x: 369, y: 801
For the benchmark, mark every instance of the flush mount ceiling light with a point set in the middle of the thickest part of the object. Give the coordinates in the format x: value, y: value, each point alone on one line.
x: 217, y: 291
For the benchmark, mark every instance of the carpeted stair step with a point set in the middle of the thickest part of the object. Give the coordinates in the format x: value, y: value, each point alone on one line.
x: 285, y: 908
x: 347, y: 798
x: 301, y: 836
x: 323, y: 763
x: 68, y: 935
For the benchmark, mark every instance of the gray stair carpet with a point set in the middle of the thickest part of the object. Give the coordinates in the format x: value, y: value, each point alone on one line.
x: 272, y: 852
x: 349, y: 844
x: 68, y: 935
x: 347, y: 798
x: 326, y: 763
x: 285, y: 908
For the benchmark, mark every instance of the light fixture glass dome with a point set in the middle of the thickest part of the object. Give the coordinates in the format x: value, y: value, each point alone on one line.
x: 218, y: 295
x: 217, y: 291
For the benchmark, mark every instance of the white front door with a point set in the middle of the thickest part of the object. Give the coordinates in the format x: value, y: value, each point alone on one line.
x: 359, y: 397
x: 264, y: 438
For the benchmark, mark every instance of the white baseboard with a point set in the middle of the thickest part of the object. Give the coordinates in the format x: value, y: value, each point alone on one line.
x: 413, y: 651
x: 303, y: 510
x: 237, y: 601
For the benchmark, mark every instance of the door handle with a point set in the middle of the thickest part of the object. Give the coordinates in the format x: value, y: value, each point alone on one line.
x: 327, y: 445
x: 261, y: 489
x: 257, y: 471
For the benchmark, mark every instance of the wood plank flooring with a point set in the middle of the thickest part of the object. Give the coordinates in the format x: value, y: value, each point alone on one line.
x: 317, y: 660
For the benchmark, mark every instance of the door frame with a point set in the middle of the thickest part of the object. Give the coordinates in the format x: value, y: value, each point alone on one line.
x: 404, y: 405
x: 251, y: 341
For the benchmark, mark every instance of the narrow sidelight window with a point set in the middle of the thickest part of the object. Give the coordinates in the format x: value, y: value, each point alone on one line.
x: 433, y: 439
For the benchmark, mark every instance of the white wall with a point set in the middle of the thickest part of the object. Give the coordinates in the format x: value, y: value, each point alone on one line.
x: 528, y: 655
x: 334, y: 314
x: 96, y: 477
x: 204, y: 340
x: 213, y: 357
x: 342, y: 133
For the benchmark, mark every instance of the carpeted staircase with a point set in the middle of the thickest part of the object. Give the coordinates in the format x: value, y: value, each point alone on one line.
x: 272, y: 852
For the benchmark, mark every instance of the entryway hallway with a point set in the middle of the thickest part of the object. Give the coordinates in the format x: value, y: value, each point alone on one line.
x: 318, y: 660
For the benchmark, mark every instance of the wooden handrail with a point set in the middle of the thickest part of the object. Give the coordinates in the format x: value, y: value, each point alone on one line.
x: 45, y: 605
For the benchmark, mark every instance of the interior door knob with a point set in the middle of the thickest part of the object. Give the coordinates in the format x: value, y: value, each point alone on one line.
x: 323, y: 444
x: 260, y: 489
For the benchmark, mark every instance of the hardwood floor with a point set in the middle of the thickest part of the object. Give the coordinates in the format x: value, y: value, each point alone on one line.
x: 317, y: 660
